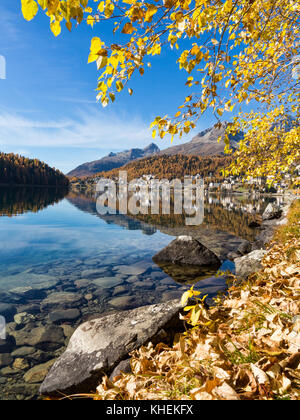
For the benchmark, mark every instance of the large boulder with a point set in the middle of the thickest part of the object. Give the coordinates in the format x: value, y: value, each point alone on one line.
x: 249, y: 264
x: 272, y: 211
x: 98, y: 346
x: 188, y: 251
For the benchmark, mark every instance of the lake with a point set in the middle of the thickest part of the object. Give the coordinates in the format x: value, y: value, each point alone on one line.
x: 61, y: 263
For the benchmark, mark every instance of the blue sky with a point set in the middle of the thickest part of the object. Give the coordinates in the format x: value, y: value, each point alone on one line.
x: 47, y: 103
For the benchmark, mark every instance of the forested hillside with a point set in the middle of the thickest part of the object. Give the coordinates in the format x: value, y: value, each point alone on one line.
x: 19, y: 170
x: 170, y: 167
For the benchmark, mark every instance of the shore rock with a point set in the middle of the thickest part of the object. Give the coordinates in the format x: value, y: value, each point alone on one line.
x: 249, y: 264
x: 95, y: 350
x: 272, y: 211
x: 186, y: 250
x: 244, y: 248
x: 123, y: 367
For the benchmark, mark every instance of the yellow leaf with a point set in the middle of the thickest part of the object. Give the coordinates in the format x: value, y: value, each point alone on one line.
x: 150, y: 12
x: 109, y: 10
x: 55, y: 27
x: 185, y: 296
x: 119, y: 86
x: 130, y: 91
x: 69, y: 25
x: 105, y: 101
x: 101, y: 6
x: 90, y: 20
x: 195, y: 315
x: 128, y: 28
x: 101, y: 62
x: 29, y: 9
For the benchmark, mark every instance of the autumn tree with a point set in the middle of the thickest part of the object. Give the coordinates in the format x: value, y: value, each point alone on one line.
x: 240, y: 52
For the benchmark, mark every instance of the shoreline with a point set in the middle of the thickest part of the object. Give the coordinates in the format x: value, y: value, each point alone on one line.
x: 51, y: 385
x: 246, y: 347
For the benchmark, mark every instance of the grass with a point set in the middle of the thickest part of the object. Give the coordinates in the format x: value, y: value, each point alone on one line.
x: 290, y: 231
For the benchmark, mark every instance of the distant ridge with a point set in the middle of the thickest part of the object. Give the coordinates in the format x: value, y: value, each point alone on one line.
x: 113, y: 161
x: 205, y: 143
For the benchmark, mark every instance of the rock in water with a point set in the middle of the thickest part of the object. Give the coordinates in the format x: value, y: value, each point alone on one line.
x: 272, y: 212
x: 189, y: 251
x: 249, y: 264
x: 244, y: 248
x: 98, y: 346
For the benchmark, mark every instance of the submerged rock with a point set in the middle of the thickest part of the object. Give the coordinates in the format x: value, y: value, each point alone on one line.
x: 249, y: 264
x: 107, y: 282
x: 123, y: 302
x: 40, y: 337
x: 132, y: 270
x: 5, y: 359
x: 61, y: 300
x: 38, y: 373
x: 20, y: 364
x: 28, y: 292
x: 23, y: 318
x: 64, y: 315
x: 7, y: 311
x: 99, y: 345
x: 186, y: 250
x: 23, y: 351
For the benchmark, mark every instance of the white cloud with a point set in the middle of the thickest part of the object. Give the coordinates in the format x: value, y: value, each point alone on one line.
x: 88, y: 129
x: 8, y: 26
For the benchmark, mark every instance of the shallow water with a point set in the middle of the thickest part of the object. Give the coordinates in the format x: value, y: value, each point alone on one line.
x: 59, y: 247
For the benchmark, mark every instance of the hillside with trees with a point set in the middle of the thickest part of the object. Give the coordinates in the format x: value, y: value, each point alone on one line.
x: 170, y: 167
x: 19, y: 170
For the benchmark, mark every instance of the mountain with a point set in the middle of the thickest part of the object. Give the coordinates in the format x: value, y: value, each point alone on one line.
x: 113, y: 161
x: 205, y: 143
x: 19, y: 170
